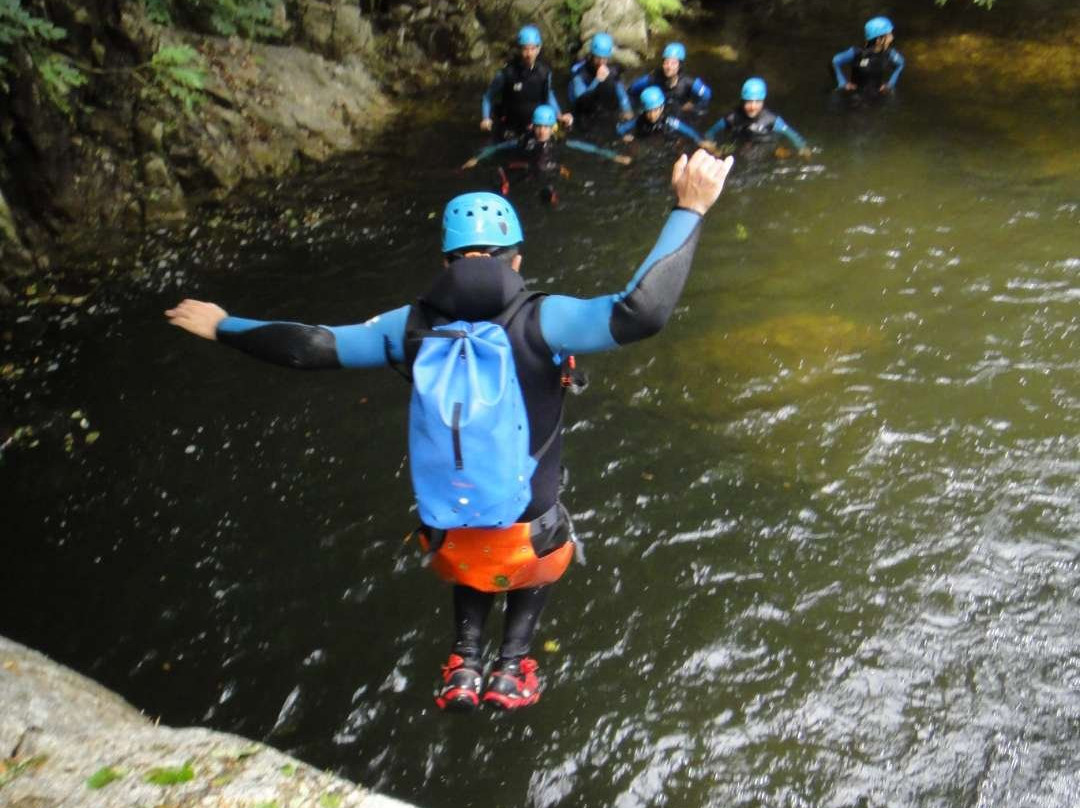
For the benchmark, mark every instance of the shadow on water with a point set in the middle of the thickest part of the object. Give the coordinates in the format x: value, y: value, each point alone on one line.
x: 831, y: 513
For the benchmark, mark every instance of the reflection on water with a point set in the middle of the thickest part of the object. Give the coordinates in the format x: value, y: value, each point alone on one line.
x: 832, y: 512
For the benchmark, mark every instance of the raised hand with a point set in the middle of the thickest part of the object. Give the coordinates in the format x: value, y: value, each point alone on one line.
x: 198, y: 317
x: 699, y: 179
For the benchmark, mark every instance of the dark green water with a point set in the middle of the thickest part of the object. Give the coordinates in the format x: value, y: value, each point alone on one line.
x: 832, y: 512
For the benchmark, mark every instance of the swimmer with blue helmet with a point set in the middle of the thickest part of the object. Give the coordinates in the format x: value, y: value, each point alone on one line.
x: 654, y: 120
x: 751, y: 122
x: 682, y: 94
x: 537, y: 152
x: 596, y: 82
x: 870, y: 63
x: 481, y: 247
x: 523, y: 84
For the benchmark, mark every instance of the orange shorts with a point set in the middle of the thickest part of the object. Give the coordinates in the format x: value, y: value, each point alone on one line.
x: 496, y: 559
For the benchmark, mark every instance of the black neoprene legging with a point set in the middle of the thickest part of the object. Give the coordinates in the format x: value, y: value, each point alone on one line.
x: 471, y: 609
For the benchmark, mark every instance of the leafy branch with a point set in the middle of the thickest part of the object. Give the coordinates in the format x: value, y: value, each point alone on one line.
x: 656, y: 12
x: 180, y: 72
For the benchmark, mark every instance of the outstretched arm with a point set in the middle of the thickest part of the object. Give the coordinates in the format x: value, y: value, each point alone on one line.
x: 309, y: 347
x: 684, y: 129
x: 575, y: 325
x: 599, y: 151
x: 716, y: 129
x: 487, y: 151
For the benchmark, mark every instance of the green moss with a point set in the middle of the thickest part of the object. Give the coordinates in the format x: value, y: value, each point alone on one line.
x: 13, y: 768
x: 170, y: 776
x: 102, y: 777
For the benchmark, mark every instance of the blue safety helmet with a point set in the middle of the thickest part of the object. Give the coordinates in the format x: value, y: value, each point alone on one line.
x: 530, y: 35
x: 675, y: 50
x: 544, y: 115
x: 754, y: 89
x: 652, y: 97
x: 602, y: 45
x: 479, y: 219
x: 878, y: 26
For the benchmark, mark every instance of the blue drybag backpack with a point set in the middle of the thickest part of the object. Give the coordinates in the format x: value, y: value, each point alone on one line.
x: 468, y: 430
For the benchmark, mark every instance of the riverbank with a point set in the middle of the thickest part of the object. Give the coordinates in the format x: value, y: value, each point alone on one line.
x: 132, y: 115
x: 67, y: 741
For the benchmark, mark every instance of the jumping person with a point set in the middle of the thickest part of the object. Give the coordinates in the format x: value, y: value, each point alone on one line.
x: 871, y: 62
x: 493, y: 523
x: 522, y: 85
x: 751, y: 122
x: 654, y: 120
x: 682, y: 94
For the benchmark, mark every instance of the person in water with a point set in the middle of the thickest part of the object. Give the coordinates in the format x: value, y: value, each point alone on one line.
x: 536, y: 153
x: 481, y: 249
x: 870, y: 63
x: 751, y: 122
x: 654, y: 120
x: 522, y: 85
x: 682, y: 94
x: 596, y: 83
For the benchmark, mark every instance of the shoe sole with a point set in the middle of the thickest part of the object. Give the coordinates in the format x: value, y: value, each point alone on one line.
x: 501, y: 702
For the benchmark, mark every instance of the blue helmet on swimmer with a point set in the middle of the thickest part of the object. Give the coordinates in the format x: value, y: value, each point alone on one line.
x: 878, y: 26
x: 675, y: 50
x: 754, y: 89
x: 544, y: 115
x: 530, y: 35
x: 479, y: 219
x: 602, y: 45
x: 652, y: 98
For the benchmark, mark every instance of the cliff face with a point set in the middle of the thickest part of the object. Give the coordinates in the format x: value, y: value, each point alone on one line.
x: 129, y: 154
x: 67, y: 741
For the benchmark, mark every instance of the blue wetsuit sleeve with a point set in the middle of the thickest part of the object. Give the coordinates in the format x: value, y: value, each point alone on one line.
x: 842, y: 59
x: 625, y: 127
x: 553, y: 102
x: 591, y: 148
x: 702, y: 92
x: 487, y: 151
x: 715, y: 129
x: 796, y: 139
x: 898, y: 61
x: 576, y: 325
x: 685, y: 130
x: 373, y: 343
x: 639, y: 84
x: 578, y: 87
x: 493, y: 91
x: 313, y: 347
x: 624, y: 99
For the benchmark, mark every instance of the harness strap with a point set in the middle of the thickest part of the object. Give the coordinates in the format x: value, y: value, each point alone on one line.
x: 548, y: 521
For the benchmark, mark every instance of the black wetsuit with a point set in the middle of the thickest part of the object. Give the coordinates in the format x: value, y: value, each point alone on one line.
x: 589, y: 97
x: 686, y: 90
x: 762, y: 129
x: 514, y: 93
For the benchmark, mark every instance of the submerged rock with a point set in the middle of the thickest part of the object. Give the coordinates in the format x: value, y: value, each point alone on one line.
x: 625, y: 21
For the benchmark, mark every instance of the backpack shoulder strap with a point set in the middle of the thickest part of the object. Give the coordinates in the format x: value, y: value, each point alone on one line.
x: 514, y: 306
